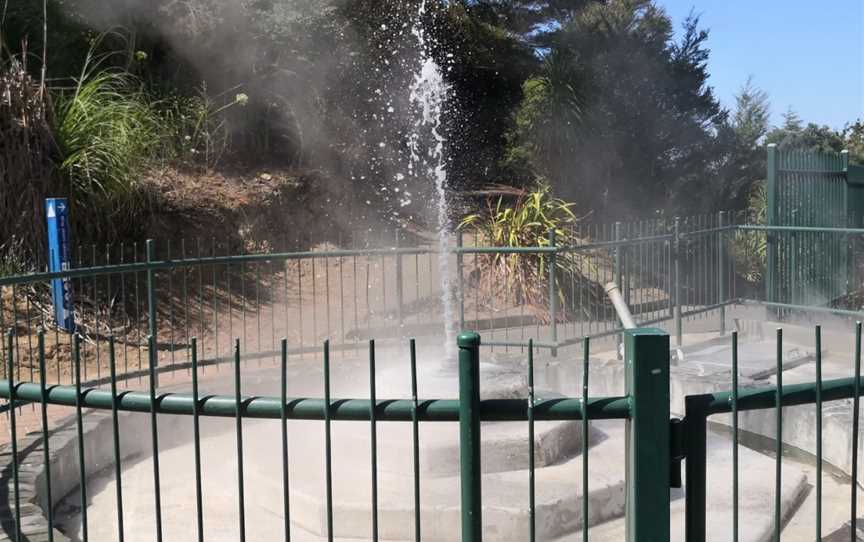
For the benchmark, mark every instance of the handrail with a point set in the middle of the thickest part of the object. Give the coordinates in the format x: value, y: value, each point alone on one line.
x: 766, y: 397
x: 263, y: 407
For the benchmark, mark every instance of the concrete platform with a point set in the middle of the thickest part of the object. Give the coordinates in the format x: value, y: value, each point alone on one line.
x: 755, y: 505
x: 505, y: 493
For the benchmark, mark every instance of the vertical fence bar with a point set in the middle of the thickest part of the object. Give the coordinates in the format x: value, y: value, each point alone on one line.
x: 771, y: 213
x: 171, y: 323
x: 553, y: 293
x: 151, y: 308
x: 676, y: 278
x: 328, y: 454
x: 460, y: 261
x: 283, y: 419
x: 735, y: 436
x: 115, y: 433
x: 818, y: 432
x: 79, y: 426
x: 778, y: 439
x: 94, y: 282
x: 373, y: 439
x: 845, y: 222
x: 617, y: 269
x: 532, y: 511
x: 13, y: 430
x: 696, y: 425
x: 154, y: 428
x: 856, y: 403
x: 648, y: 448
x: 617, y: 272
x: 238, y: 420
x: 586, y: 342
x: 46, y: 452
x: 196, y: 436
x: 469, y: 437
x: 415, y: 433
x: 400, y: 300
x: 3, y: 327
x: 721, y: 267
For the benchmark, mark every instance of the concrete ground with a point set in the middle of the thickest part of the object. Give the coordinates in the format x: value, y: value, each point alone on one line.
x: 505, y: 493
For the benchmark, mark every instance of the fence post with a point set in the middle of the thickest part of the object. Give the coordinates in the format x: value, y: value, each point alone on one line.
x: 646, y: 354
x: 617, y: 272
x: 847, y: 223
x: 676, y: 277
x: 469, y: 436
x: 771, y: 216
x: 696, y: 489
x: 460, y: 279
x: 151, y: 305
x: 721, y: 269
x: 399, y: 282
x: 553, y: 292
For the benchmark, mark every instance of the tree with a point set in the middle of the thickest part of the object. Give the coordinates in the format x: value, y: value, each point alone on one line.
x: 794, y: 135
x: 647, y: 133
x: 746, y: 158
x: 752, y: 115
x: 854, y: 141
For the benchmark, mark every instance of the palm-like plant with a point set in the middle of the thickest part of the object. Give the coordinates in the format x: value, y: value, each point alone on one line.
x: 750, y: 248
x: 528, y: 222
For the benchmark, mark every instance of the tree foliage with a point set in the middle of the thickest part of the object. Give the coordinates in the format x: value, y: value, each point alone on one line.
x: 646, y: 130
x: 795, y: 135
x: 605, y: 100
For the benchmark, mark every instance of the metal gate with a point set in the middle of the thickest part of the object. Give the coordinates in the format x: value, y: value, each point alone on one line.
x: 810, y: 190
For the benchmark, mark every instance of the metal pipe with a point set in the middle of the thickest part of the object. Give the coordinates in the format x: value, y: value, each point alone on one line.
x: 621, y: 308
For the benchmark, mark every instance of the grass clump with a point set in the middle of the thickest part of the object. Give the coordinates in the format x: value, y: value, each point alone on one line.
x: 108, y: 132
x: 197, y: 128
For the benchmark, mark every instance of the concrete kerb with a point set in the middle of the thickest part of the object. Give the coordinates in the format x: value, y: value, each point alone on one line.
x: 65, y: 476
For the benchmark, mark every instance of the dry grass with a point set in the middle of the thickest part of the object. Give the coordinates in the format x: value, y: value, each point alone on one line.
x: 25, y: 166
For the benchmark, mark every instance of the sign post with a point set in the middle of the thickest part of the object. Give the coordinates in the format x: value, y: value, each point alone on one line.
x: 57, y: 215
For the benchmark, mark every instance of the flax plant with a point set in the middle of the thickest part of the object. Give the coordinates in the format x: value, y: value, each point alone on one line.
x: 524, y: 278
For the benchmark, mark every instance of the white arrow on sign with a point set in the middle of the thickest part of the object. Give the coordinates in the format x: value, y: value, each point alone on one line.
x: 51, y: 213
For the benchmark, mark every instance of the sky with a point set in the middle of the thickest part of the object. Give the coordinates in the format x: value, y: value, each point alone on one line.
x: 806, y: 55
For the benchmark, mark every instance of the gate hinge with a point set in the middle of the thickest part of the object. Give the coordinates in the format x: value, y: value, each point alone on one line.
x: 676, y: 451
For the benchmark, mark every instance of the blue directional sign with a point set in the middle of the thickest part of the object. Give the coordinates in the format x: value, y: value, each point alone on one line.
x: 59, y: 250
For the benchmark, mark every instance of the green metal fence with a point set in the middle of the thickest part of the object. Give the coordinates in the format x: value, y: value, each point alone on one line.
x: 810, y: 190
x: 669, y: 270
x: 656, y: 444
x: 645, y: 409
x: 775, y: 398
